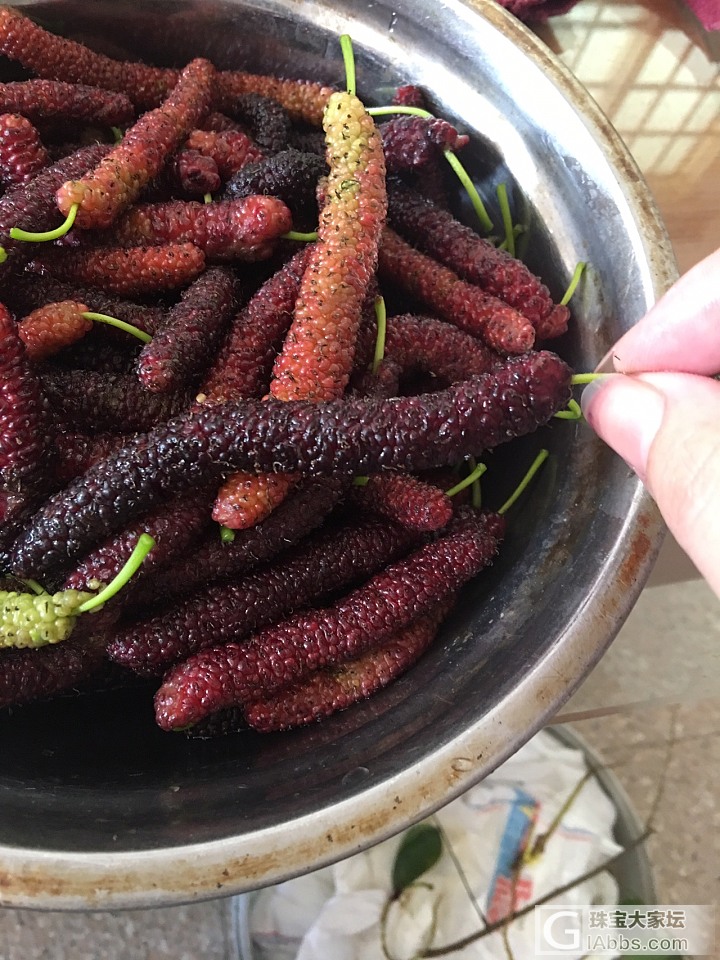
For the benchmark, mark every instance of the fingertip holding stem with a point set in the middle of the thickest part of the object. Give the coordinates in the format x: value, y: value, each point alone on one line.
x: 626, y: 413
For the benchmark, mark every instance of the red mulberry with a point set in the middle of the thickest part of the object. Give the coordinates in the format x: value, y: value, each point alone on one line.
x: 336, y: 688
x: 456, y: 301
x: 56, y: 58
x: 50, y: 328
x: 116, y: 182
x: 54, y: 100
x: 129, y: 272
x: 22, y: 154
x: 230, y: 230
x: 234, y: 674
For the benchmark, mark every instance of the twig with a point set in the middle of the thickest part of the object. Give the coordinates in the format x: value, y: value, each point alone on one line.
x: 558, y: 891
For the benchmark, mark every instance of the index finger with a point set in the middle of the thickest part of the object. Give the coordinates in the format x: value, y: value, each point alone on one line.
x: 682, y: 331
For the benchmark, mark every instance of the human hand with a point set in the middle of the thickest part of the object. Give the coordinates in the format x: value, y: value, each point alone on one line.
x: 663, y: 416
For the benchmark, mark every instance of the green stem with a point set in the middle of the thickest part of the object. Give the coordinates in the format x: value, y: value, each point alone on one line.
x: 381, y: 316
x: 226, y: 534
x: 34, y: 586
x: 410, y: 111
x: 361, y: 481
x: 471, y: 189
x: 117, y: 134
x: 18, y: 234
x: 571, y: 412
x: 573, y: 283
x: 479, y: 470
x: 534, y: 467
x: 142, y: 549
x: 302, y: 237
x: 518, y: 229
x: 506, y: 215
x: 451, y: 158
x: 579, y: 379
x: 120, y: 324
x: 349, y: 60
x: 207, y: 197
x: 3, y: 255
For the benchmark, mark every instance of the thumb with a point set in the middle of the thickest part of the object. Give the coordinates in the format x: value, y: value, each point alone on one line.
x: 666, y: 426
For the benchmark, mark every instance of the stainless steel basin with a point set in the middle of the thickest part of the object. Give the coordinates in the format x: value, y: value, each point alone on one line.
x: 97, y: 807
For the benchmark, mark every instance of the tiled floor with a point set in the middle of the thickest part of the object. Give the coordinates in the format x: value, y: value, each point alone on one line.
x: 638, y: 743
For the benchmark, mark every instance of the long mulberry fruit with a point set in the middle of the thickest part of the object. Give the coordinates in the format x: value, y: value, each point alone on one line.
x: 116, y: 182
x: 408, y: 501
x: 30, y: 674
x: 456, y: 301
x: 327, y: 691
x: 221, y: 677
x: 130, y: 271
x: 439, y: 234
x: 174, y: 528
x: 342, y: 437
x: 32, y: 206
x: 331, y: 560
x: 93, y: 401
x: 179, y: 352
x: 243, y: 365
x: 24, y: 426
x: 245, y: 229
x: 302, y: 512
x: 54, y: 100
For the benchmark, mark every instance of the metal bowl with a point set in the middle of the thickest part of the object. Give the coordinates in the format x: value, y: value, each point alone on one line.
x: 98, y: 808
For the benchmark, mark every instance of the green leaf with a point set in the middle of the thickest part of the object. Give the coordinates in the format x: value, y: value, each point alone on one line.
x: 419, y: 850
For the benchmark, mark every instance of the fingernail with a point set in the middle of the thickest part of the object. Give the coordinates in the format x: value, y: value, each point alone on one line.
x: 627, y: 413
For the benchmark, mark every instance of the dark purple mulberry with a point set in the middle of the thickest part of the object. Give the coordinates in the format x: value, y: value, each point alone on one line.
x: 411, y: 143
x: 291, y: 176
x: 340, y: 437
x: 294, y: 519
x: 175, y: 527
x: 243, y: 366
x: 32, y: 206
x: 179, y: 352
x: 74, y: 453
x: 268, y: 121
x: 95, y: 402
x: 27, y: 675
